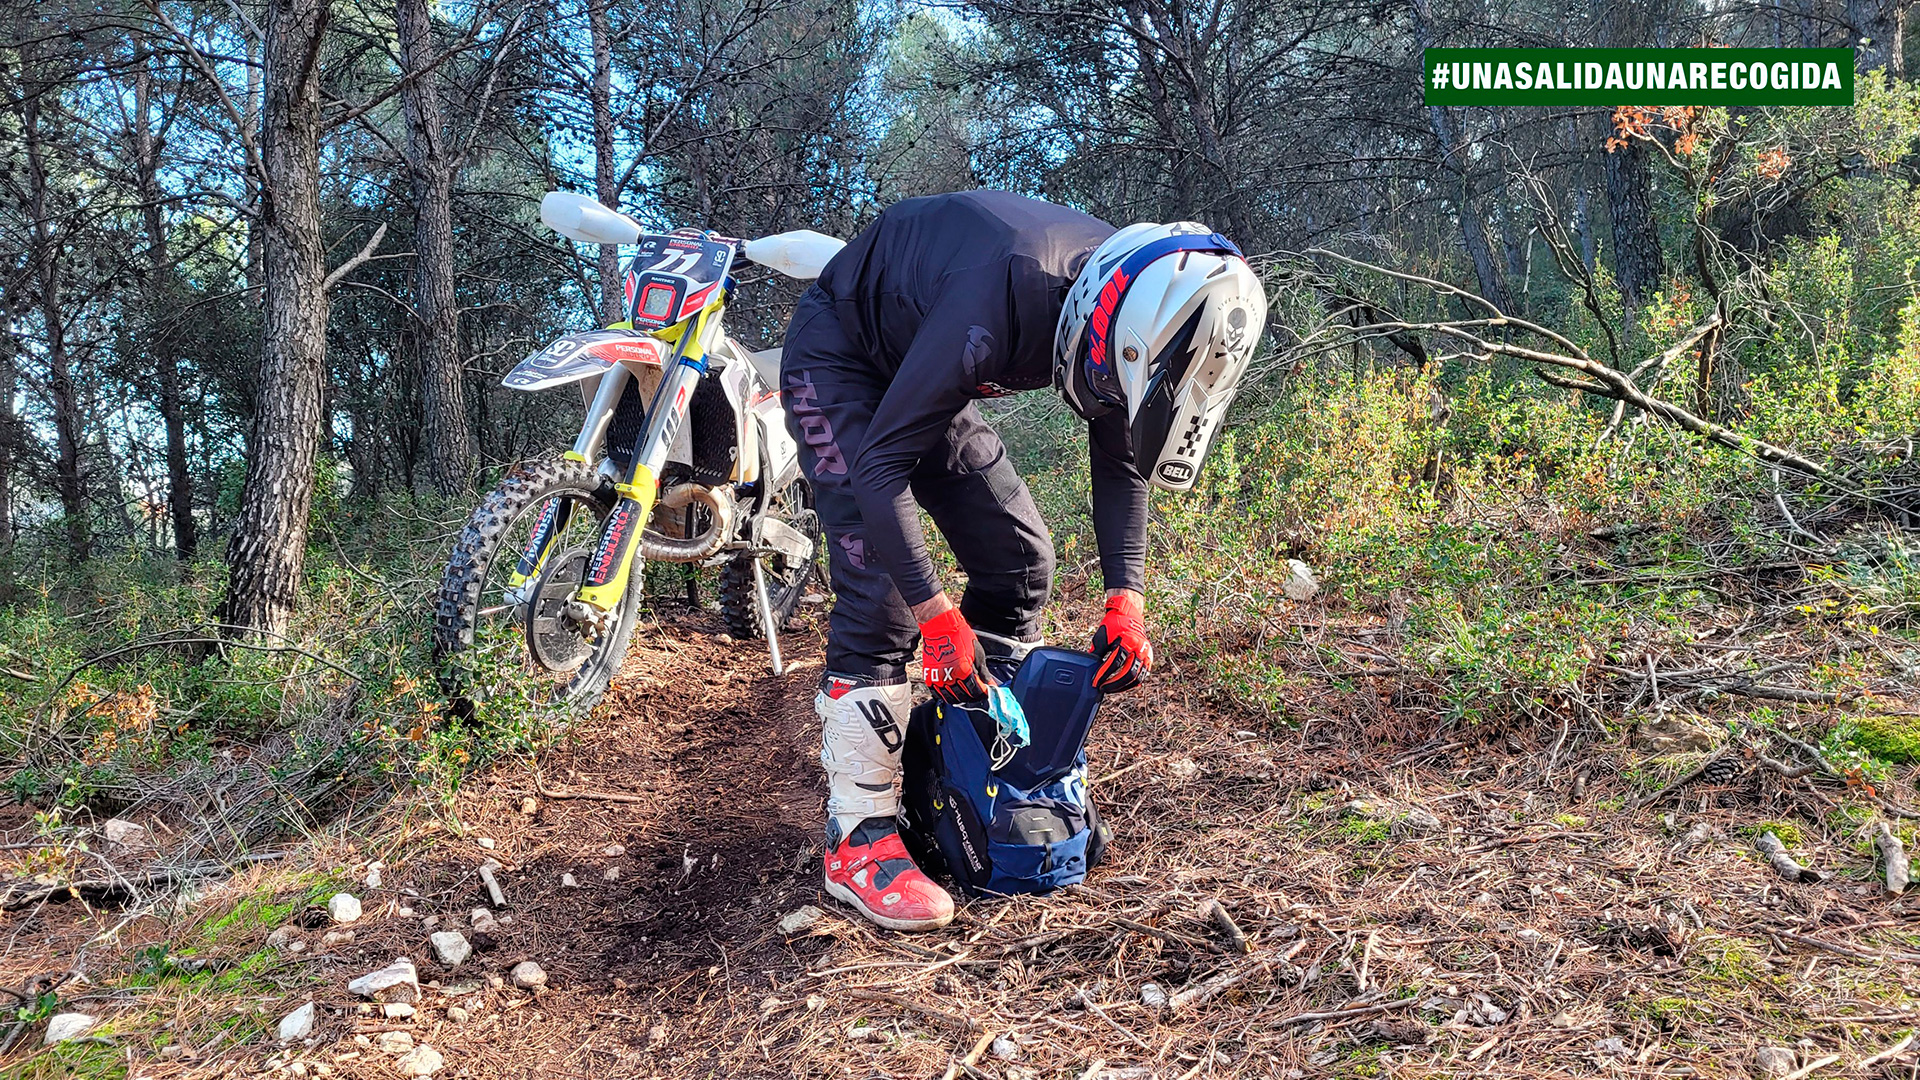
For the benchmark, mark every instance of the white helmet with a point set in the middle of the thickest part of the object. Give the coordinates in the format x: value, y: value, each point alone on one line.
x: 1161, y: 322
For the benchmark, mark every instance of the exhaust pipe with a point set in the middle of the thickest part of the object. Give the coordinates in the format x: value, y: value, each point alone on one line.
x: 720, y: 508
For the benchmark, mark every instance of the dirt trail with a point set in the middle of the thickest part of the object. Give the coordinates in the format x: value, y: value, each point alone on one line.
x: 1486, y: 903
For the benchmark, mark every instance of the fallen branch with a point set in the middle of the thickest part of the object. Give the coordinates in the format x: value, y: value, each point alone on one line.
x: 1891, y: 1051
x: 1168, y: 936
x: 972, y: 1058
x: 1222, y: 920
x: 951, y: 1020
x: 1783, y: 864
x: 12, y: 899
x: 1344, y: 1014
x: 492, y: 883
x: 1894, y: 855
x: 1204, y: 991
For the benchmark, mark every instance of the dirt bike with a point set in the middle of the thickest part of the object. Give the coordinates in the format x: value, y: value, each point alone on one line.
x: 684, y: 457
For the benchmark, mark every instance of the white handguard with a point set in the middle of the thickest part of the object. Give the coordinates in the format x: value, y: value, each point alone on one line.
x: 863, y: 728
x: 801, y: 253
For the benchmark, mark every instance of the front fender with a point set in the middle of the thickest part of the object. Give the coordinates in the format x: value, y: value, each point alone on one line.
x: 584, y: 355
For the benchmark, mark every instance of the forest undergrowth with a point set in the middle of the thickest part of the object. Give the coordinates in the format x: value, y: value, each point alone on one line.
x: 1630, y: 644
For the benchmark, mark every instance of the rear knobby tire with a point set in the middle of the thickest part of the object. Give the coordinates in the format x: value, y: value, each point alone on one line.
x: 787, y: 582
x: 472, y: 574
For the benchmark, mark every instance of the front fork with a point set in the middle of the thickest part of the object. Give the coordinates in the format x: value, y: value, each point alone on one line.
x: 611, y: 566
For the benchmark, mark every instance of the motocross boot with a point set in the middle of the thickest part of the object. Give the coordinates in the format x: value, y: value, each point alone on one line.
x: 863, y: 730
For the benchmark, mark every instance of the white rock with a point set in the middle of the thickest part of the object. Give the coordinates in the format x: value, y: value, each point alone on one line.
x: 64, y: 1026
x: 423, y: 1061
x: 611, y: 873
x: 172, y: 1052
x: 1772, y: 1061
x: 529, y: 806
x: 1153, y: 995
x: 799, y: 919
x: 815, y: 1003
x: 336, y: 937
x: 343, y: 908
x: 397, y: 1010
x: 457, y: 1015
x: 403, y: 911
x: 1006, y: 1049
x: 528, y: 976
x: 398, y: 981
x: 451, y: 947
x: 483, y: 921
x: 125, y: 834
x: 281, y: 938
x: 394, y: 1042
x: 861, y: 1031
x: 297, y: 1024
x: 1301, y: 585
x: 1417, y: 822
x: 373, y: 874
x: 567, y: 882
x: 485, y: 842
x: 613, y: 851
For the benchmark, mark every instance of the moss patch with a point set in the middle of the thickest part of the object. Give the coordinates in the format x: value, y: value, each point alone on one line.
x: 1889, y: 738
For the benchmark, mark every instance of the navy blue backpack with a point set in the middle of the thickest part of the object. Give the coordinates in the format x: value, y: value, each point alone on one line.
x: 1028, y: 826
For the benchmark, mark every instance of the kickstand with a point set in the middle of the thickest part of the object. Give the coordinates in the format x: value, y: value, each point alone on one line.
x: 766, y: 615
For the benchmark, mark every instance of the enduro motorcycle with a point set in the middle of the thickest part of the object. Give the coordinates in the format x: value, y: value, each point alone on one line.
x: 683, y: 457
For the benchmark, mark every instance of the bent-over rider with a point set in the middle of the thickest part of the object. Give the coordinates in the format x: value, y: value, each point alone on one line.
x: 944, y: 300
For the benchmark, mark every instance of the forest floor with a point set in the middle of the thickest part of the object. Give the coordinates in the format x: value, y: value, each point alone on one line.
x: 1476, y: 901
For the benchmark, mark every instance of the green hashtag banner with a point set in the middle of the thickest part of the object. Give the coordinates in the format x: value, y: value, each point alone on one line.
x: 1639, y: 76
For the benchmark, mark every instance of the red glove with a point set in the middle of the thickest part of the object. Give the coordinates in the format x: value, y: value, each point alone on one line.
x: 947, y: 651
x: 1121, y: 642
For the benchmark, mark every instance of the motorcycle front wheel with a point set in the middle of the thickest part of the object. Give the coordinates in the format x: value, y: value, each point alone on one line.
x: 494, y: 637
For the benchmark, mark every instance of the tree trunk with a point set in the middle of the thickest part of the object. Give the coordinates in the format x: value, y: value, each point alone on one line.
x: 1473, y: 233
x: 268, y: 551
x: 160, y: 341
x: 613, y: 301
x: 1637, y: 262
x: 45, y: 248
x: 431, y: 168
x: 9, y: 454
x: 1878, y: 27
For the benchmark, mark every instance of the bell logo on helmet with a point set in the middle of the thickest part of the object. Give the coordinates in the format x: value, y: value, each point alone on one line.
x: 1176, y: 472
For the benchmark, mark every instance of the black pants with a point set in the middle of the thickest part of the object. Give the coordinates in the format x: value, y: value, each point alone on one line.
x: 970, y: 489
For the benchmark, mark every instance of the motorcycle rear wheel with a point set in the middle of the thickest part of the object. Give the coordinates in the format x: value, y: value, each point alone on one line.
x: 787, y: 580
x: 480, y: 644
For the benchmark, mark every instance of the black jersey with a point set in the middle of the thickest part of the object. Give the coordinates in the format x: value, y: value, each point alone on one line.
x: 955, y: 298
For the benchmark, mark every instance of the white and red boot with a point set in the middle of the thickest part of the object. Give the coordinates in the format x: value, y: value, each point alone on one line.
x: 863, y: 729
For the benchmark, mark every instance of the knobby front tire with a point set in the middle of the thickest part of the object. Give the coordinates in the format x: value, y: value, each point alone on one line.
x: 478, y: 638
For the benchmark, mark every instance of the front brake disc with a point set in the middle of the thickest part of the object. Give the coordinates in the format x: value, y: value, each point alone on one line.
x: 553, y: 640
